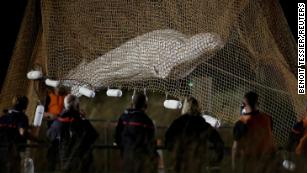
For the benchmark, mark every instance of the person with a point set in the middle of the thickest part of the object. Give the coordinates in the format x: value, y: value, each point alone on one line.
x: 72, y: 137
x: 297, y: 144
x: 54, y: 104
x: 253, y: 138
x: 298, y: 137
x: 13, y: 134
x: 188, y: 138
x: 135, y: 134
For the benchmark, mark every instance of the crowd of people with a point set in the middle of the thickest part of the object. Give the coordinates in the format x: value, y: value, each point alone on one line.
x: 193, y: 144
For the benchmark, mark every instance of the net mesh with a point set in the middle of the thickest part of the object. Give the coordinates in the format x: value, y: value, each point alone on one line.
x: 214, y: 50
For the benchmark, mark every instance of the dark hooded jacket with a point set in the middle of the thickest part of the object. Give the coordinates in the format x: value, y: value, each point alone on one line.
x: 10, y: 123
x: 72, y: 137
x: 192, y: 132
x: 11, y: 142
x: 135, y: 132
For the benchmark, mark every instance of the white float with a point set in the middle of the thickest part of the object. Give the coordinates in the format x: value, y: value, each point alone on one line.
x: 114, y: 93
x: 39, y: 113
x: 214, y: 122
x: 34, y: 74
x: 288, y: 165
x: 172, y: 104
x: 28, y: 165
x: 87, y: 92
x: 52, y: 83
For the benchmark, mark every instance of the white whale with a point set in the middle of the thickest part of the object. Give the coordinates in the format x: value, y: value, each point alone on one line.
x: 157, y: 54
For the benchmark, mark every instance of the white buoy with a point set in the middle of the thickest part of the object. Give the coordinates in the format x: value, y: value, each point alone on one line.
x: 52, y: 83
x: 212, y: 121
x: 289, y: 165
x: 33, y: 75
x: 114, y: 93
x: 172, y: 104
x: 87, y: 92
x: 39, y: 113
x: 28, y: 165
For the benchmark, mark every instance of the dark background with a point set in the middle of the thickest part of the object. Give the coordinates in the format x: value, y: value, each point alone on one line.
x: 12, y: 13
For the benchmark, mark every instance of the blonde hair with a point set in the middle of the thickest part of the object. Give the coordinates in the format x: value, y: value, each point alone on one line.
x: 71, y: 102
x: 190, y: 106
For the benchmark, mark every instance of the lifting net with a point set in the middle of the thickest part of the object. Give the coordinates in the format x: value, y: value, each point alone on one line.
x: 214, y: 50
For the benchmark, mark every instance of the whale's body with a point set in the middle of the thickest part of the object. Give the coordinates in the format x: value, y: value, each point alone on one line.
x: 157, y: 54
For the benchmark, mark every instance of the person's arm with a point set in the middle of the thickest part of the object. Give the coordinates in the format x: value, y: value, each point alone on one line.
x: 151, y: 130
x: 91, y: 134
x: 295, y: 135
x: 118, y: 131
x: 234, y: 154
x: 47, y: 102
x: 218, y: 144
x: 23, y: 125
x: 54, y: 130
x: 301, y: 147
x: 238, y: 132
x: 171, y: 134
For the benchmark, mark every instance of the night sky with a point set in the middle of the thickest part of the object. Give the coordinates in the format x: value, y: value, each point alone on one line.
x: 12, y: 13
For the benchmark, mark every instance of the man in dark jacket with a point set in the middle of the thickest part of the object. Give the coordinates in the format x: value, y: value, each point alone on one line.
x: 135, y: 133
x: 13, y: 133
x: 190, y: 137
x: 72, y: 137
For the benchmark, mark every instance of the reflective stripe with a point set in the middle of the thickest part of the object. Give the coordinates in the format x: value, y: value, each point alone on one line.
x: 66, y: 120
x: 8, y: 126
x: 137, y: 124
x: 295, y: 131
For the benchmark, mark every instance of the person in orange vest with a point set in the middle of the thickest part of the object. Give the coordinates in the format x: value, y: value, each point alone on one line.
x: 54, y: 103
x: 253, y: 138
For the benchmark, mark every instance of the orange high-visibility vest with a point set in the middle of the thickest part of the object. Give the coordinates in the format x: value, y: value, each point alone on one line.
x: 56, y: 104
x: 301, y: 148
x: 258, y: 139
